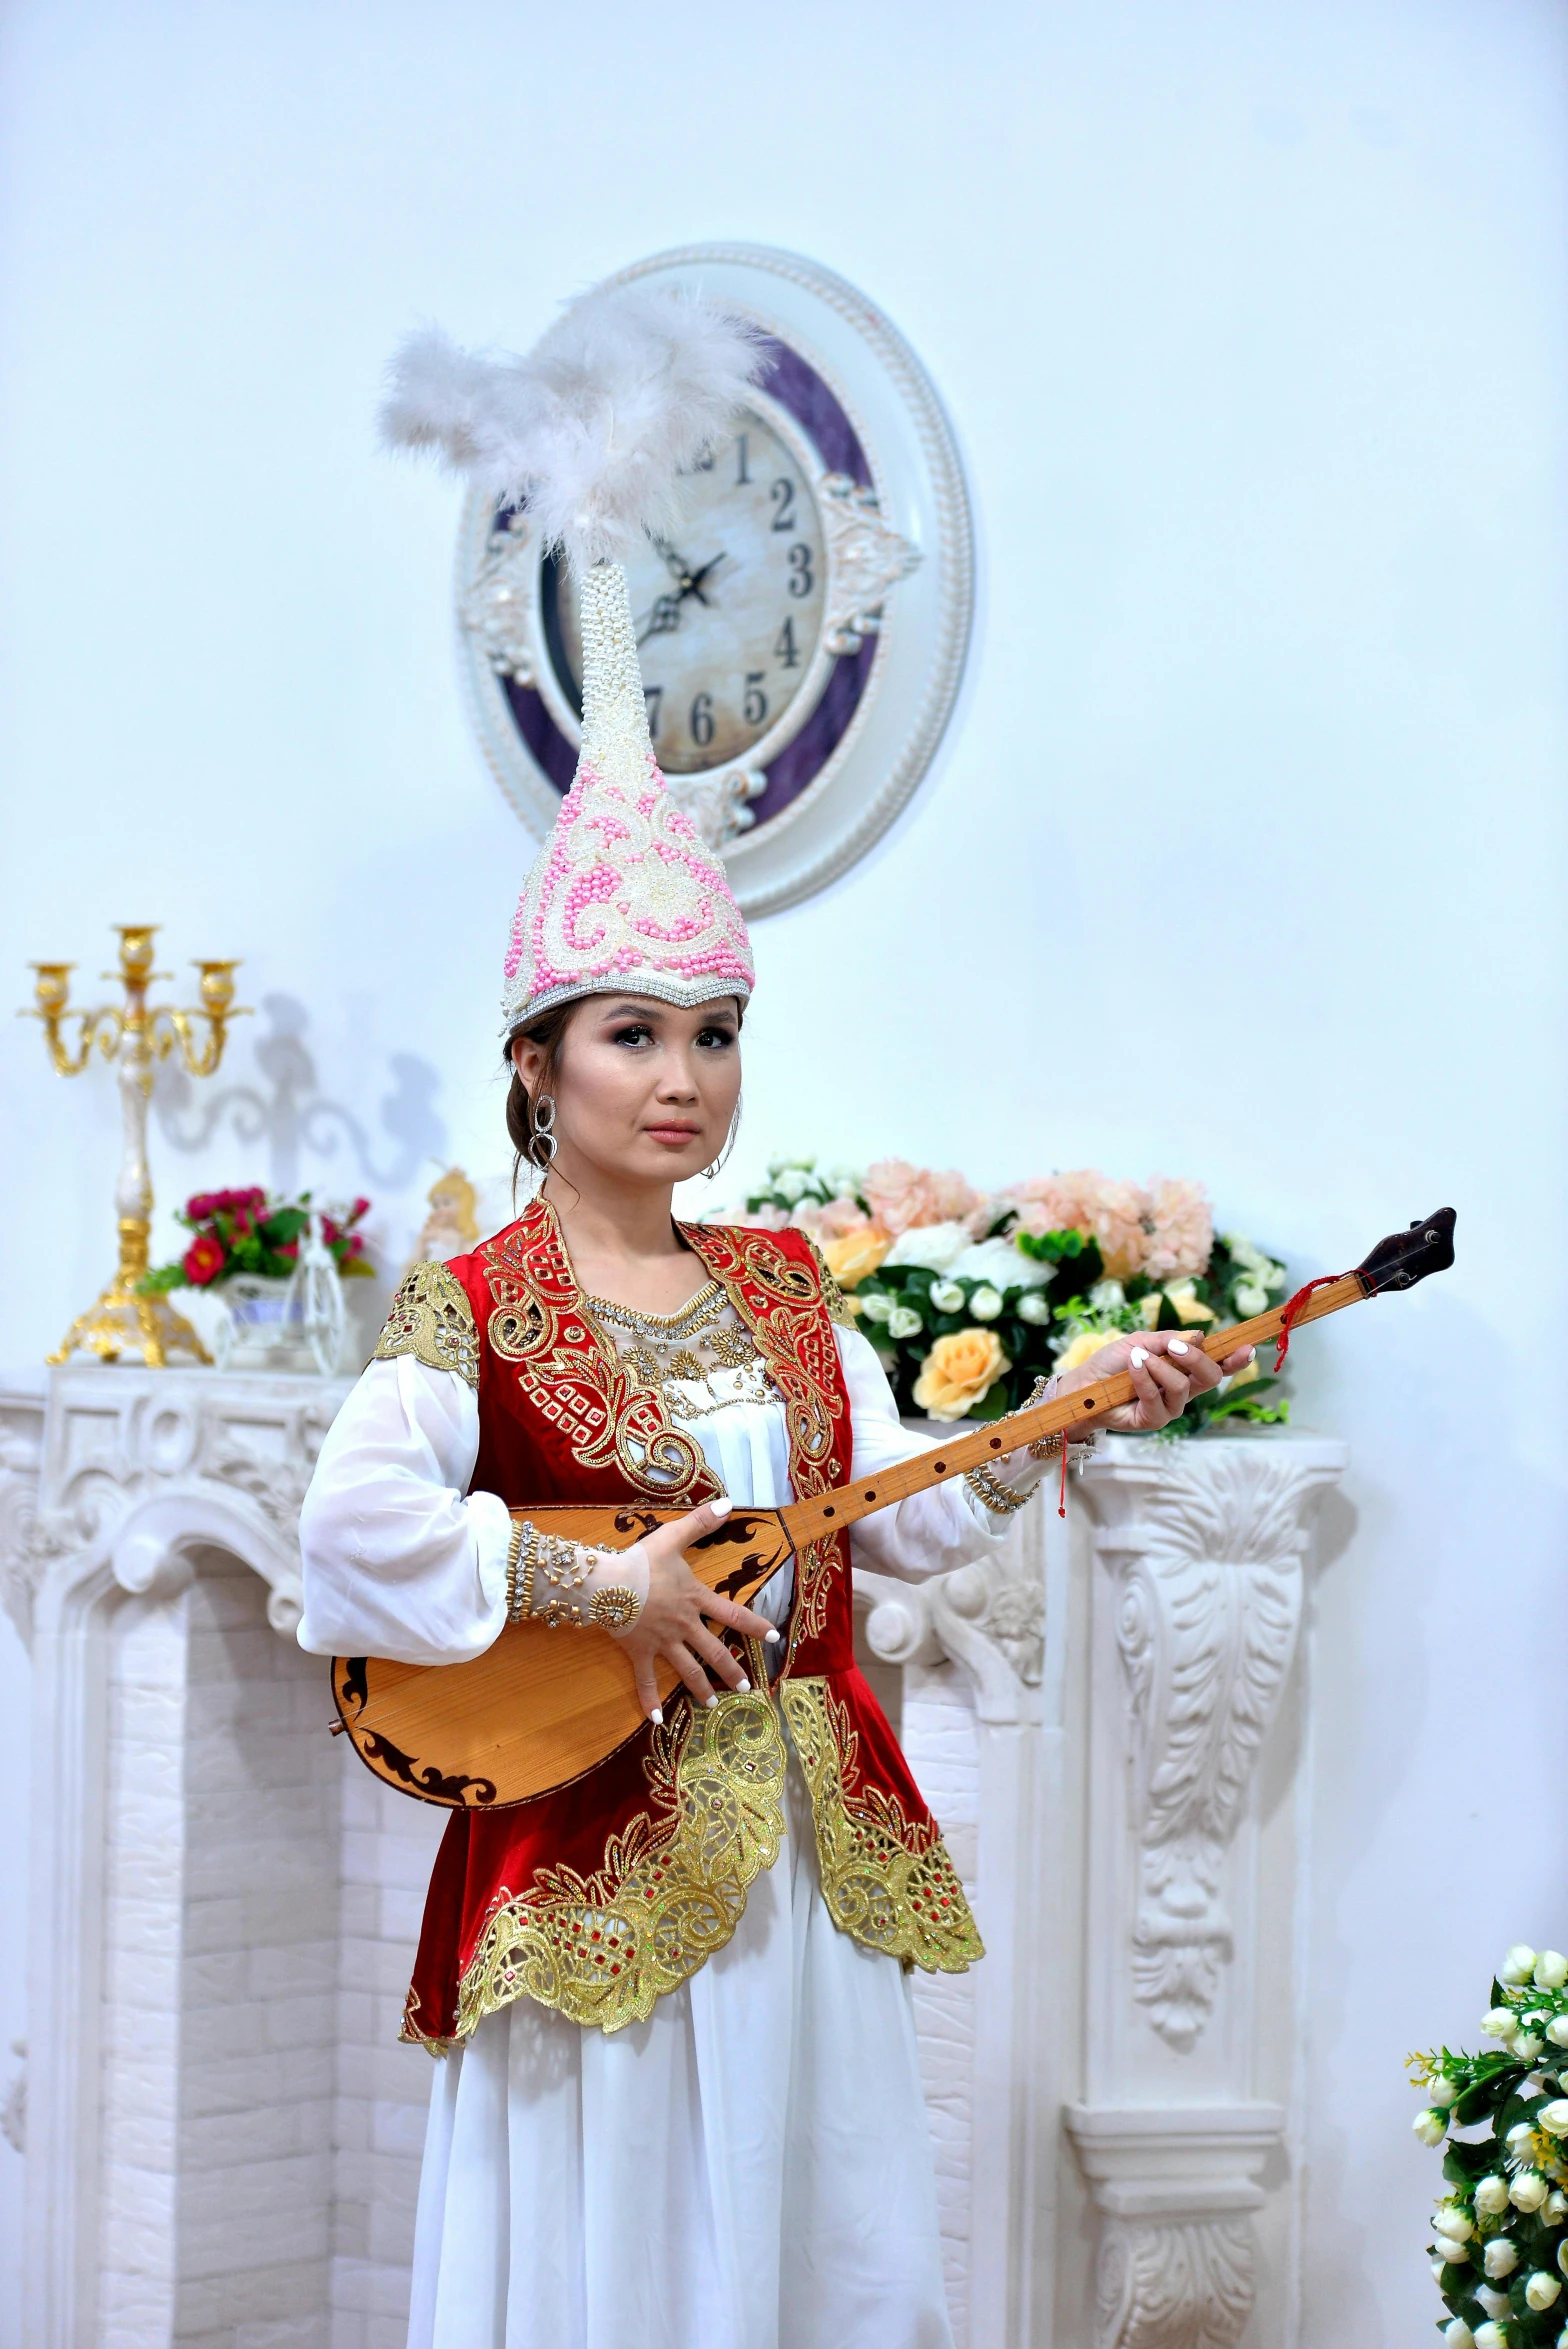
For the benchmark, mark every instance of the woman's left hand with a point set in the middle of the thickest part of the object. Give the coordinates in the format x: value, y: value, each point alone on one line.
x: 1166, y: 1368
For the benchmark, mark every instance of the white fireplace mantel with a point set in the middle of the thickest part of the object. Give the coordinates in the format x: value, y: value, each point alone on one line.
x: 1106, y: 1716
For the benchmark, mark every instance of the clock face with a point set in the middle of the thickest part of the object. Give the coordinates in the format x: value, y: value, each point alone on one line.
x: 728, y: 611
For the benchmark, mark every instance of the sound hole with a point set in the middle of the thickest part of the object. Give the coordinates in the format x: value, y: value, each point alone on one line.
x: 830, y: 1512
x: 996, y: 1443
x: 869, y: 1494
x: 939, y: 1465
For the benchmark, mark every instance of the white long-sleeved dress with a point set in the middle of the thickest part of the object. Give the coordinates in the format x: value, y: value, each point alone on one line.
x: 750, y: 2168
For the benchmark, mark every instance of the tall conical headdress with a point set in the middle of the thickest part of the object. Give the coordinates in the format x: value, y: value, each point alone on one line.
x: 590, y: 432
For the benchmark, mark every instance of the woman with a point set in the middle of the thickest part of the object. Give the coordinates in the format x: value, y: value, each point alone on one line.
x: 679, y: 2106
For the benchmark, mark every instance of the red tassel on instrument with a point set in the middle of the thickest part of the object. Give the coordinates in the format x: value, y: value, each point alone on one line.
x: 1282, y: 1342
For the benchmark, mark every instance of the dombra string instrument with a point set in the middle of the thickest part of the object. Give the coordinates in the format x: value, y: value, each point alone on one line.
x: 541, y: 1708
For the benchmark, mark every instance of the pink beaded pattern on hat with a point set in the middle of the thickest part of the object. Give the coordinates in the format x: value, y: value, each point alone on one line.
x: 624, y: 896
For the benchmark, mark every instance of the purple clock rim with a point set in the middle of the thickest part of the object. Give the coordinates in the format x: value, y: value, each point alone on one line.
x: 800, y: 390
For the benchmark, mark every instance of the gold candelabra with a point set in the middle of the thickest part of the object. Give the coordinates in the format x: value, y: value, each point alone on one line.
x: 134, y: 1036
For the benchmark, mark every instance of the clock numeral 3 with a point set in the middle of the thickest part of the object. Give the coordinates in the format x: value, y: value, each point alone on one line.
x: 800, y: 574
x: 653, y: 695
x: 784, y: 651
x: 755, y: 706
x: 702, y: 720
x: 783, y: 495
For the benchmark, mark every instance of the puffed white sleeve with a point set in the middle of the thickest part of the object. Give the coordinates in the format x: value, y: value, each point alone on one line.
x: 399, y: 1558
x: 946, y: 1526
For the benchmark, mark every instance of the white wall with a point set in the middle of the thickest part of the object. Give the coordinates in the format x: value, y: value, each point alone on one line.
x: 1251, y: 318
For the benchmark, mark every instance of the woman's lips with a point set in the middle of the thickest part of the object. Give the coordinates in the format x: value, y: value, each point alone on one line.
x: 675, y: 1137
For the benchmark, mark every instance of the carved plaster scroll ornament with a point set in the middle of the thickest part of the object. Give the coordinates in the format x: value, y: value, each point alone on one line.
x: 1187, y: 2286
x: 866, y: 561
x: 1206, y: 1625
x: 494, y: 606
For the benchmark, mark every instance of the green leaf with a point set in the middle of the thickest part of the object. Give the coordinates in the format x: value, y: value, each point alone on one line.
x: 992, y: 1404
x: 166, y: 1277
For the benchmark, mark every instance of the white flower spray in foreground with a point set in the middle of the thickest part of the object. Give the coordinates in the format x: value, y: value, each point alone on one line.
x: 1500, y: 2232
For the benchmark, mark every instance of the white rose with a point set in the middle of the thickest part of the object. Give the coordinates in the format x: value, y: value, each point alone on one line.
x: 1431, y: 2127
x: 1003, y: 1264
x: 1528, y: 2191
x: 1555, y: 2208
x: 1557, y: 2030
x: 1250, y: 1299
x: 1453, y: 2219
x: 1562, y: 2255
x: 1502, y: 2257
x: 1553, y: 2117
x: 1491, y: 2196
x: 1450, y: 2252
x: 1032, y: 1306
x: 1500, y: 2022
x: 1518, y: 2139
x: 1495, y: 2303
x: 1527, y: 2046
x: 1542, y: 2289
x: 875, y: 1307
x: 1551, y: 1970
x: 985, y: 1304
x: 947, y: 1296
x: 1442, y: 2090
x: 789, y: 1183
x: 1491, y: 2336
x: 1518, y: 1965
x: 1458, y: 2334
x: 904, y: 1322
x: 937, y: 1246
x: 1107, y: 1296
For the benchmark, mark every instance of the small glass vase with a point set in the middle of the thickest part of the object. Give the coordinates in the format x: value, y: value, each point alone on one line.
x: 295, y: 1324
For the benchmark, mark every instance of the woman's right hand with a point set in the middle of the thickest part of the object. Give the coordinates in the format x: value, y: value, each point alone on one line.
x: 671, y: 1623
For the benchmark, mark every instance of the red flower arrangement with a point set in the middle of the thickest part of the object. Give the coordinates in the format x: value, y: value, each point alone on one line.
x: 245, y: 1231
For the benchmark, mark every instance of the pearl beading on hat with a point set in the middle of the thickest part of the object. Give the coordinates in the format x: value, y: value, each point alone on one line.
x: 624, y: 895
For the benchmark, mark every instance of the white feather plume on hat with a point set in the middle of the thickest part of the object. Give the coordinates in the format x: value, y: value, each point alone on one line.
x: 591, y: 431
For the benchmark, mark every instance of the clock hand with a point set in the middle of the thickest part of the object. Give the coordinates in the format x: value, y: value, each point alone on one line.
x: 675, y: 563
x: 694, y: 583
x: 663, y: 615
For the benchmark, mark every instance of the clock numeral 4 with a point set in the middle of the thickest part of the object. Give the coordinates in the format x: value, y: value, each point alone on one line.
x: 784, y: 651
x: 755, y: 707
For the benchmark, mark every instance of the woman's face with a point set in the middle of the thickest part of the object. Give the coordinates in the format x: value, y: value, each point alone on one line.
x: 644, y: 1091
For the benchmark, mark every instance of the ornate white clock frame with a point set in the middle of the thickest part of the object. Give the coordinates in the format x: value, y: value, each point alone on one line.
x: 900, y: 566
x: 1110, y: 1719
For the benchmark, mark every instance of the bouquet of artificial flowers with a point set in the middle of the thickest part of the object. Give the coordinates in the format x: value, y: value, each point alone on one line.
x: 245, y: 1231
x: 969, y: 1297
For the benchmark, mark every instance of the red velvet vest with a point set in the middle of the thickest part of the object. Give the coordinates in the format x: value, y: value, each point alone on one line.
x: 600, y: 1897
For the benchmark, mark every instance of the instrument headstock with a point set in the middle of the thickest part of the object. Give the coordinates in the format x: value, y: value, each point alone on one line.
x: 1407, y: 1257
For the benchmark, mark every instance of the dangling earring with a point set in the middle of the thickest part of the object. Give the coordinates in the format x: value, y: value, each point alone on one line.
x: 542, y: 1143
x: 711, y: 1173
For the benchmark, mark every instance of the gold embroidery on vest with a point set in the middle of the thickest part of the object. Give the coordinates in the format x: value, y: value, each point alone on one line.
x: 600, y: 1949
x: 572, y: 1376
x: 887, y: 1882
x: 833, y: 1298
x: 432, y: 1319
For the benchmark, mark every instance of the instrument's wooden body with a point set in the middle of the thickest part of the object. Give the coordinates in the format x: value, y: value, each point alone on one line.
x: 541, y: 1708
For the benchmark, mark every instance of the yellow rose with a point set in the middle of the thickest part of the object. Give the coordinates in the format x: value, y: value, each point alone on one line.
x: 855, y: 1256
x: 1242, y: 1377
x: 958, y: 1371
x: 1188, y: 1308
x: 1079, y: 1349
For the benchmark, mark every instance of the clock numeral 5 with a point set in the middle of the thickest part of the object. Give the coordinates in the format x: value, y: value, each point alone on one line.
x: 755, y: 706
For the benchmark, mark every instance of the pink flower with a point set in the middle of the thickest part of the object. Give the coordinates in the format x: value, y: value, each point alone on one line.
x: 1085, y: 1200
x: 1180, y: 1236
x: 830, y: 1219
x: 200, y: 1205
x: 903, y: 1197
x: 766, y: 1218
x: 203, y: 1260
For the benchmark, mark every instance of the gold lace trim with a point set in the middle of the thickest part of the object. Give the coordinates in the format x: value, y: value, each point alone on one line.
x: 678, y: 1354
x: 432, y: 1319
x: 879, y: 1890
x: 836, y: 1305
x: 600, y: 1949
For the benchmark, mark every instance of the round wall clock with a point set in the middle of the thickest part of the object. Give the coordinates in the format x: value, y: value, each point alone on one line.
x: 803, y: 636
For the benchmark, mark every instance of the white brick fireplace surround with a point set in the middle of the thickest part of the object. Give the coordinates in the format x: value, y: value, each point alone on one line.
x: 222, y: 2132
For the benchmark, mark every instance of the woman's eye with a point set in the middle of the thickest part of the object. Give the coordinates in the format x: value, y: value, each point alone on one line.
x: 716, y: 1039
x: 636, y: 1034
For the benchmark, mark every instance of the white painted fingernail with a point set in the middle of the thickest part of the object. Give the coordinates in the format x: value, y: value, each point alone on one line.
x: 719, y: 1508
x: 1176, y: 1346
x: 657, y: 1716
x: 712, y: 1701
x: 1252, y: 1353
x: 743, y: 1687
x: 1138, y: 1357
x: 772, y: 1632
